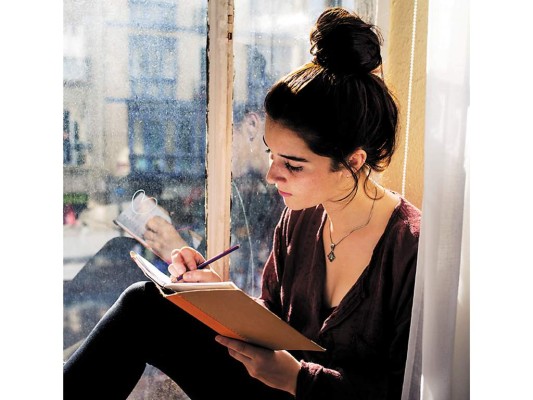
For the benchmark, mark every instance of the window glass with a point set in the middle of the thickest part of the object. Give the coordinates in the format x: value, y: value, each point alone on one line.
x: 134, y: 126
x: 270, y: 39
x: 153, y: 14
x: 134, y: 109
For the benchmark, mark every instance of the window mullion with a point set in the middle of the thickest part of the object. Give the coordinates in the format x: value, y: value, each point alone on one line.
x: 219, y: 129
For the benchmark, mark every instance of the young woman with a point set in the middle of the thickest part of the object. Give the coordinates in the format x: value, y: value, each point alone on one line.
x: 342, y: 265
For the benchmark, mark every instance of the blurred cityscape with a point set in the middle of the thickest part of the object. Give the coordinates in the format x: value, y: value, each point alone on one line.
x: 128, y: 121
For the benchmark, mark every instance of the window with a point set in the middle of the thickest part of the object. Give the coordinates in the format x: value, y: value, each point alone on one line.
x: 265, y: 49
x: 270, y: 39
x: 136, y: 118
x: 153, y: 69
x: 149, y: 14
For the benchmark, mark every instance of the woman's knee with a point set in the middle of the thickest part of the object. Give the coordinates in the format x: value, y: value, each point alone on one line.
x: 141, y: 292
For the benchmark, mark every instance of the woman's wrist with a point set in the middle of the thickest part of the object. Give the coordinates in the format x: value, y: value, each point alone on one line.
x: 293, y: 380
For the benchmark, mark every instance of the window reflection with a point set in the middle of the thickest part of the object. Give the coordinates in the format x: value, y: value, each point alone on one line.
x: 128, y: 121
x: 153, y: 14
x: 153, y: 69
x: 134, y: 118
x: 270, y: 39
x: 265, y: 49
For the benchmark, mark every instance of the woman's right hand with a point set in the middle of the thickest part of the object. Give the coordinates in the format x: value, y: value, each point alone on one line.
x: 184, y: 263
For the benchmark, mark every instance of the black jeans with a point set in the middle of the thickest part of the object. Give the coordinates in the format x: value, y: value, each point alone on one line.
x: 143, y: 327
x: 97, y: 286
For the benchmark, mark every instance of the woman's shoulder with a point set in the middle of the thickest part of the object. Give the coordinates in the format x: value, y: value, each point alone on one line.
x: 409, y: 217
x: 403, y: 229
x: 399, y: 243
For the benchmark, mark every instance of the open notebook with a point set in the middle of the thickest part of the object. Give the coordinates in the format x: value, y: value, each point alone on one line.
x: 229, y: 311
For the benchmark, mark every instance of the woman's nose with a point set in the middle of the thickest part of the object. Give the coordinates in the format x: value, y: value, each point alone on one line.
x: 273, y: 175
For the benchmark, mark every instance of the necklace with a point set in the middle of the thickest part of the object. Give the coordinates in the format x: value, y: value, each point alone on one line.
x: 331, y: 254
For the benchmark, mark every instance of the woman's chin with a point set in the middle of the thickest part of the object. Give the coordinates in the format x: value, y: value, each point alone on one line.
x: 294, y: 205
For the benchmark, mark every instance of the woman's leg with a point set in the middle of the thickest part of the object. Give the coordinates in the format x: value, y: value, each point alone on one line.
x: 143, y: 327
x: 109, y: 363
x: 106, y: 275
x: 97, y: 286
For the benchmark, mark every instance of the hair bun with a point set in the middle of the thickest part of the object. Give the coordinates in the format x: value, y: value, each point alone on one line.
x: 343, y: 43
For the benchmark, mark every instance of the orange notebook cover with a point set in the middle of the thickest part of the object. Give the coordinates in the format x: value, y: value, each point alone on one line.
x: 229, y: 311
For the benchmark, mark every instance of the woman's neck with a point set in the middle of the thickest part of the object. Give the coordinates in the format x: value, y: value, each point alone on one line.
x: 344, y: 216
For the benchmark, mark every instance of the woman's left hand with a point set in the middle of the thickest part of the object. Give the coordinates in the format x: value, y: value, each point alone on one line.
x: 275, y: 368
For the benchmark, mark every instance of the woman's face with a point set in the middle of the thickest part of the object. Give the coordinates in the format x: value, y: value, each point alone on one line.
x: 303, y: 178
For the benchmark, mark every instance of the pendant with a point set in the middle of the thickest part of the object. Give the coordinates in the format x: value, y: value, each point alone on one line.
x: 331, y: 255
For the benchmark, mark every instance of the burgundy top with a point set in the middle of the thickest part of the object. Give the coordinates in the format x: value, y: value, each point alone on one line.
x: 366, y: 335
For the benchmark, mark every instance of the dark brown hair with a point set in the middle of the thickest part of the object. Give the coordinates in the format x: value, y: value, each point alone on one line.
x: 336, y: 103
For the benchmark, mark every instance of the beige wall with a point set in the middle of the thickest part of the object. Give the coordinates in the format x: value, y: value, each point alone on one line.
x: 397, y: 77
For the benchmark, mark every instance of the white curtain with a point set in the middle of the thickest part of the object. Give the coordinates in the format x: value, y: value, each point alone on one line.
x: 438, y: 362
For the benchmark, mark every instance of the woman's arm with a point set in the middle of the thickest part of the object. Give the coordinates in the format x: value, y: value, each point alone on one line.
x: 275, y: 368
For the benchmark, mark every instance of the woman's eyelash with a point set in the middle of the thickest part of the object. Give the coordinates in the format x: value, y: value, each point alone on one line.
x: 292, y: 168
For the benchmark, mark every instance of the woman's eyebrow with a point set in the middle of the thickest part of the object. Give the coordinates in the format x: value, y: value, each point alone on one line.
x: 288, y: 157
x: 293, y: 158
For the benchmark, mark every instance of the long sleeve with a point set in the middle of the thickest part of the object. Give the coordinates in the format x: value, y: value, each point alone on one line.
x: 366, y: 337
x: 353, y: 380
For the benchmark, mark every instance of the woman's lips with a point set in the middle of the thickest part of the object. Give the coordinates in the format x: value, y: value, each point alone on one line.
x: 284, y: 194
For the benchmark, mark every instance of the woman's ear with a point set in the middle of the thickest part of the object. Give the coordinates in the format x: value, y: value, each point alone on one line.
x: 357, y: 159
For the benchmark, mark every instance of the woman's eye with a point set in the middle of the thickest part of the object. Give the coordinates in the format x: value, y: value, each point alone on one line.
x: 292, y: 168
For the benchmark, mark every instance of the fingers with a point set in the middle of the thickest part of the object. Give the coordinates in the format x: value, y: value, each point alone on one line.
x: 153, y: 224
x: 155, y: 227
x: 236, y: 349
x: 187, y: 256
x: 162, y: 237
x: 204, y: 275
x: 183, y: 260
x: 201, y: 275
x: 157, y: 224
x: 238, y: 346
x: 249, y: 355
x: 278, y: 369
x: 150, y: 236
x: 239, y: 356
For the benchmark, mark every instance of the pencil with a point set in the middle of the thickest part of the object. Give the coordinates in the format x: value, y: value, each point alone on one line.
x: 213, y: 259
